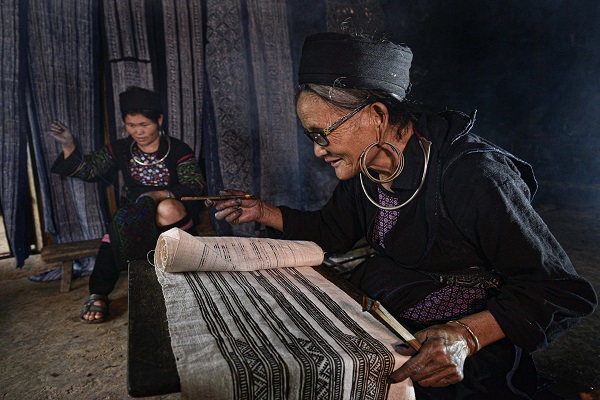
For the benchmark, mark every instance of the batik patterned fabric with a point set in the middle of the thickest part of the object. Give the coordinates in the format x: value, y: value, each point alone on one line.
x: 48, y: 70
x: 284, y: 333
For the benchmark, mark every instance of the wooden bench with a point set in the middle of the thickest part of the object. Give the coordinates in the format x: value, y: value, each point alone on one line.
x: 65, y: 253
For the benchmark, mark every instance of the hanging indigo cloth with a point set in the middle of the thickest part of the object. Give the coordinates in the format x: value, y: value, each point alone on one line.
x: 128, y: 53
x: 13, y: 124
x: 48, y: 71
x: 64, y: 84
x: 180, y: 48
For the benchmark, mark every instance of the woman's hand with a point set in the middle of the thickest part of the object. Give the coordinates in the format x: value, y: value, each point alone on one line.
x: 62, y: 134
x: 237, y: 211
x: 440, y: 361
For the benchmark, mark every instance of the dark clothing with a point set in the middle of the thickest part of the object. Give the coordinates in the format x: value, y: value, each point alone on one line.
x: 473, y: 210
x: 178, y: 172
x: 106, y: 271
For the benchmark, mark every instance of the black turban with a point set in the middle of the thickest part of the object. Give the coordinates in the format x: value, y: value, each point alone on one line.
x: 138, y: 99
x: 336, y: 59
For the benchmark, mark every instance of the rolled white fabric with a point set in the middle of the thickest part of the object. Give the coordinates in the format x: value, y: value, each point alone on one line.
x: 178, y: 251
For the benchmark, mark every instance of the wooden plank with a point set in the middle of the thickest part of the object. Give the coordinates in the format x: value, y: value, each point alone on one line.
x: 70, y: 251
x: 66, y: 276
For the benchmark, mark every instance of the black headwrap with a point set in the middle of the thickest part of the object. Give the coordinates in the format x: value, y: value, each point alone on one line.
x: 138, y: 99
x: 343, y: 60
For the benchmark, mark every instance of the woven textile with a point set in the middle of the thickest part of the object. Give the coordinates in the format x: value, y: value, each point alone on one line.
x: 285, y: 333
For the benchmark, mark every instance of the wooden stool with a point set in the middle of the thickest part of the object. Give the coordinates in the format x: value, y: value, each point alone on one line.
x: 65, y: 253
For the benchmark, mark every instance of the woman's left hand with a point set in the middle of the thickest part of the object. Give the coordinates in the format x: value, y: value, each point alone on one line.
x: 440, y: 361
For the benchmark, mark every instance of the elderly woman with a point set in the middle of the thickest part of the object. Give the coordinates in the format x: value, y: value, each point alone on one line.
x: 156, y: 169
x: 462, y: 257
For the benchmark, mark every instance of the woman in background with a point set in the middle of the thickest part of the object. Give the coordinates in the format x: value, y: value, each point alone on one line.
x: 157, y: 170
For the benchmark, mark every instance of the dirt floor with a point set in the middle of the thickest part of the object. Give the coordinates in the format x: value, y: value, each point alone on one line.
x: 47, y: 353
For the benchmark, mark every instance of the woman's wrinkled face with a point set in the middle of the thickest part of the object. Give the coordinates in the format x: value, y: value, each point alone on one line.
x: 143, y: 130
x: 346, y: 142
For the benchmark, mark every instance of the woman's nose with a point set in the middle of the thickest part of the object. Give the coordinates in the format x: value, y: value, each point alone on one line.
x: 320, y: 151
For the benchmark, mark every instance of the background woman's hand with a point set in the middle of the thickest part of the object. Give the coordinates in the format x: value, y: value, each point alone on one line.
x: 62, y: 134
x: 236, y: 211
x: 440, y: 361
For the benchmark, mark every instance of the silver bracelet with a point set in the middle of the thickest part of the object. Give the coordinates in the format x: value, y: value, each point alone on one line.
x: 477, y: 347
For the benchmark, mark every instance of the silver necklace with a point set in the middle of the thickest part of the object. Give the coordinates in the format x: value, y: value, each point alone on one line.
x: 149, y: 164
x: 426, y: 147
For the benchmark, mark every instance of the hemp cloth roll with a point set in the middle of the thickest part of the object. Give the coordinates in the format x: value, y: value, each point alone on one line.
x: 281, y: 333
x: 178, y: 251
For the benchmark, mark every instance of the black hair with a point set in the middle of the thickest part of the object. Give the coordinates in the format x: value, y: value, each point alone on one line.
x: 152, y: 115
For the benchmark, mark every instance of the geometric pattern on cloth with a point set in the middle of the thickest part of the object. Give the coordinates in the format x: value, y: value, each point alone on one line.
x: 447, y: 303
x: 385, y: 219
x: 230, y: 136
x: 272, y: 334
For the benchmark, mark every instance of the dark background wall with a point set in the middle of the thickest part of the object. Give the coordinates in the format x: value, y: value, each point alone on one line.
x: 530, y: 68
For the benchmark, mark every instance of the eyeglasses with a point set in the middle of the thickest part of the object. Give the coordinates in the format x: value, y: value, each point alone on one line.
x: 320, y: 137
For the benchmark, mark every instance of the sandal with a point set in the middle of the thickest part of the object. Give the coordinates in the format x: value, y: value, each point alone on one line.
x: 89, y: 306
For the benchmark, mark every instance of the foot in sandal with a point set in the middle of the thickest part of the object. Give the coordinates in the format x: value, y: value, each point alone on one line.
x: 95, y: 309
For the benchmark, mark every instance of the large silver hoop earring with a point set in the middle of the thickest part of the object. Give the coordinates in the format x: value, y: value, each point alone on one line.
x: 394, y: 175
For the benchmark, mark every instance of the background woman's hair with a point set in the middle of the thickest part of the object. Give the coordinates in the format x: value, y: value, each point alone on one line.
x: 400, y: 112
x: 152, y: 115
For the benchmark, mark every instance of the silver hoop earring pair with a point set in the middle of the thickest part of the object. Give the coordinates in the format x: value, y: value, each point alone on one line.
x: 394, y: 175
x: 426, y: 147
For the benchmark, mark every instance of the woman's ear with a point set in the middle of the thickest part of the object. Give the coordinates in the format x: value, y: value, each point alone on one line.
x: 380, y: 114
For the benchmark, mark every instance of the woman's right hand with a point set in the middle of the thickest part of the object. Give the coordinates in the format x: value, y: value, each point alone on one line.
x: 239, y: 210
x: 236, y: 211
x: 62, y: 134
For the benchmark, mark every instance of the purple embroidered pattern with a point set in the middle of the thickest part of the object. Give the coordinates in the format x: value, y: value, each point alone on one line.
x: 384, y: 220
x: 148, y: 175
x: 447, y: 303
